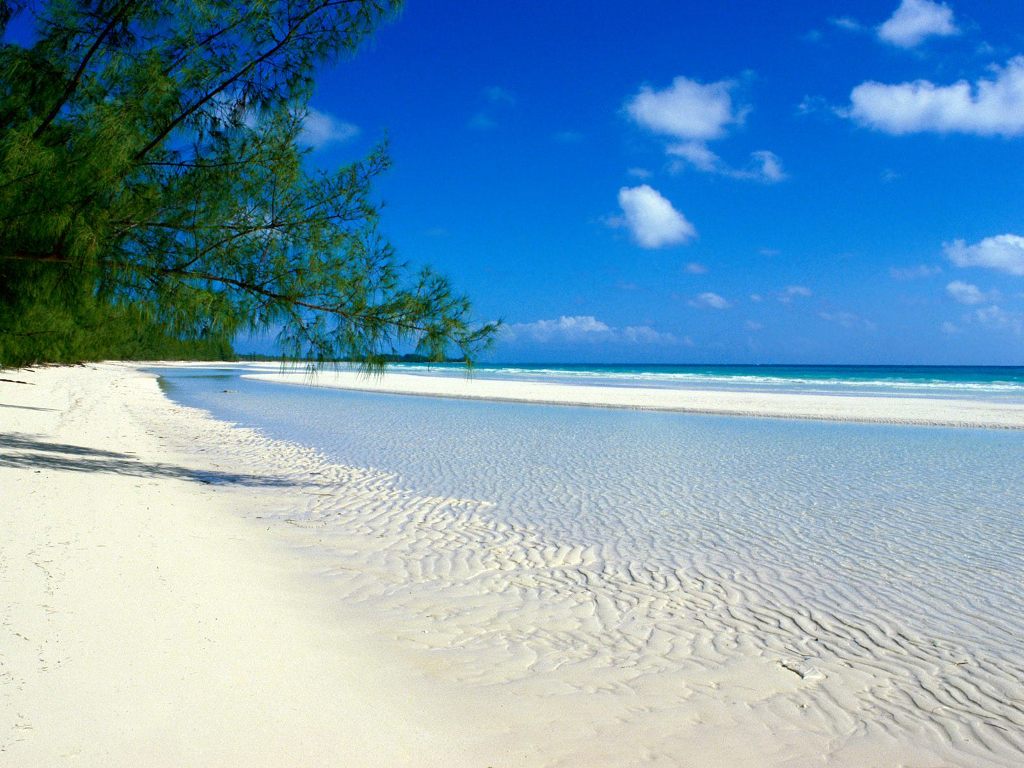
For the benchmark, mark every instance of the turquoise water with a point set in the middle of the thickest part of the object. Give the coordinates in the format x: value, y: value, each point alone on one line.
x: 1001, y: 383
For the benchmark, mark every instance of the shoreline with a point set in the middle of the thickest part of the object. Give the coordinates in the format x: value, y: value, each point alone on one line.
x: 193, y: 592
x: 153, y: 617
x: 865, y: 409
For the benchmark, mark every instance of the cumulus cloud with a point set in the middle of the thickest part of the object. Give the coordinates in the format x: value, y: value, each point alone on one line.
x: 692, y: 114
x: 695, y: 268
x: 320, y: 129
x: 965, y: 293
x: 565, y: 327
x: 687, y: 109
x: 709, y: 300
x: 583, y: 329
x: 1002, y: 252
x: 993, y: 106
x: 651, y: 219
x: 916, y: 20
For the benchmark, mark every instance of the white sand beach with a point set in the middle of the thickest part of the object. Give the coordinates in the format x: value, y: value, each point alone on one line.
x: 181, y: 591
x: 149, y: 618
x: 870, y: 409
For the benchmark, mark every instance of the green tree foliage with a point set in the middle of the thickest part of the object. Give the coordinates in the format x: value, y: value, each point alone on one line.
x: 151, y: 159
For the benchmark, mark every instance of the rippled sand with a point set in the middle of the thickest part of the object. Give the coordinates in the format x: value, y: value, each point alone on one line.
x: 876, y: 409
x: 744, y: 650
x: 558, y: 653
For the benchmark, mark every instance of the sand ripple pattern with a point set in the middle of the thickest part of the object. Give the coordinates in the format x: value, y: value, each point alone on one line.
x: 676, y: 647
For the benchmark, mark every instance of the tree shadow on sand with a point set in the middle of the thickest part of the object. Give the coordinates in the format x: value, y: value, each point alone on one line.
x: 26, y: 452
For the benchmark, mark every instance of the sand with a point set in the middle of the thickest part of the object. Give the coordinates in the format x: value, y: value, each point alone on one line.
x: 864, y: 408
x: 181, y: 591
x: 146, y: 622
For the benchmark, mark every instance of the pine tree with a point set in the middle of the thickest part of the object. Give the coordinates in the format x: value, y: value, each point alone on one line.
x: 150, y: 157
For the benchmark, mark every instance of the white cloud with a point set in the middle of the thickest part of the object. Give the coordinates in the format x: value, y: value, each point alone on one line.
x: 814, y: 105
x: 1002, y: 252
x: 913, y: 273
x: 965, y: 293
x: 320, y: 129
x: 997, y: 317
x: 765, y: 166
x: 697, y: 154
x: 770, y: 169
x: 583, y: 328
x: 791, y: 292
x: 694, y: 113
x: 695, y: 268
x: 949, y: 328
x: 651, y: 219
x: 709, y: 300
x: 644, y: 334
x: 988, y: 107
x: 564, y: 327
x: 916, y: 20
x: 753, y: 325
x: 846, y: 22
x: 686, y: 110
x: 639, y: 173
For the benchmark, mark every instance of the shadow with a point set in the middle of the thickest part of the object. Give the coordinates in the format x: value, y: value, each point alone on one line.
x: 26, y: 407
x: 28, y: 443
x: 26, y: 452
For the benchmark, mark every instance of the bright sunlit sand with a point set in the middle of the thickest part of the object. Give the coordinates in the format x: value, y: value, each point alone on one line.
x: 188, y: 591
x: 878, y: 409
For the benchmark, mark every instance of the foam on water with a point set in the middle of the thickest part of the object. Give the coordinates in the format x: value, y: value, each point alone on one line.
x: 880, y: 567
x: 1004, y: 383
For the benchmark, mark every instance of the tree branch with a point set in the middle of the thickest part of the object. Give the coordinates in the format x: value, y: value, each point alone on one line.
x: 72, y: 84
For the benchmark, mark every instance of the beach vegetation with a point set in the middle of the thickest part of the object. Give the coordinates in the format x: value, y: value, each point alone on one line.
x: 154, y: 179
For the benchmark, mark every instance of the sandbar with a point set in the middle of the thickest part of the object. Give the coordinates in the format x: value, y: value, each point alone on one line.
x: 925, y: 411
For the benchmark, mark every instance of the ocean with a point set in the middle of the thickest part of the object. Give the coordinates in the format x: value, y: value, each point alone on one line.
x: 985, y: 382
x: 894, y: 550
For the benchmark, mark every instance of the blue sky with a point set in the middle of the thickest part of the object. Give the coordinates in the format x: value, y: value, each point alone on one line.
x: 666, y: 181
x: 821, y: 182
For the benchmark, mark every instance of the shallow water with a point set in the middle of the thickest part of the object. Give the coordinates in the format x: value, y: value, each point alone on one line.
x: 857, y: 545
